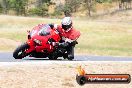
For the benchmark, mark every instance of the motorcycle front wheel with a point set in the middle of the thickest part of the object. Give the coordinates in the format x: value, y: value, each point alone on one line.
x: 20, y: 53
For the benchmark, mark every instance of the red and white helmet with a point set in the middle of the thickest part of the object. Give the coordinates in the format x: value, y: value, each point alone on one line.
x: 66, y: 23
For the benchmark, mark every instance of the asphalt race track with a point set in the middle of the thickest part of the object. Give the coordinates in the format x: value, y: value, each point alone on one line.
x: 7, y: 57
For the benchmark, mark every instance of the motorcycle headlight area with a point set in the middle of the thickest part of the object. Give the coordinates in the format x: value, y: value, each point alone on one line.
x: 37, y: 41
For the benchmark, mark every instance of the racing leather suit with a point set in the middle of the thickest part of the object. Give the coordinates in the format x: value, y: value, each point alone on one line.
x: 68, y: 39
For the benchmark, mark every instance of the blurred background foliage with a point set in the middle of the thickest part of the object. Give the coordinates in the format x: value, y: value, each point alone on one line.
x: 62, y: 7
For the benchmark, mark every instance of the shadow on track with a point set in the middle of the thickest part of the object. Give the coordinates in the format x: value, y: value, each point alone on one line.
x: 43, y: 59
x: 46, y: 59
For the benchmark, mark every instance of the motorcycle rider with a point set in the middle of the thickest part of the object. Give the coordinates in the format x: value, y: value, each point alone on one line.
x: 68, y: 34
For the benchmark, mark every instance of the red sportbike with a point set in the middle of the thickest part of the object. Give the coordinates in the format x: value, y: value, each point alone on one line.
x: 39, y: 44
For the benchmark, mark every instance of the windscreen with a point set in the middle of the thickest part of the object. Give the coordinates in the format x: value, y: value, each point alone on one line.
x: 45, y: 30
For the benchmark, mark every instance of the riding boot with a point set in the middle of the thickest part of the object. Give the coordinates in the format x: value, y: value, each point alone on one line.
x: 70, y: 51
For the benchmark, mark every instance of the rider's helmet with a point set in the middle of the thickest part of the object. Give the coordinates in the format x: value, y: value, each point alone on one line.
x: 66, y: 23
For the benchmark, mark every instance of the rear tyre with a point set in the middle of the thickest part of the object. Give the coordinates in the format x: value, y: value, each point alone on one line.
x: 20, y: 53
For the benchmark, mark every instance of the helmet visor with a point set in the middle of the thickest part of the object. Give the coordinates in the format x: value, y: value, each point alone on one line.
x: 66, y: 27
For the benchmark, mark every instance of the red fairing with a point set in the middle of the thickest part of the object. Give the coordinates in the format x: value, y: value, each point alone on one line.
x: 31, y: 43
x: 43, y: 39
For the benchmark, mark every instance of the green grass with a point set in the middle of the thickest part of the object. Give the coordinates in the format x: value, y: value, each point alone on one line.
x: 97, y: 38
x: 106, y: 39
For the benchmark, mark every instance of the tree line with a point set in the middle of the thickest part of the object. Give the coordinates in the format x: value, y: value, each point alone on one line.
x: 25, y: 7
x: 41, y: 7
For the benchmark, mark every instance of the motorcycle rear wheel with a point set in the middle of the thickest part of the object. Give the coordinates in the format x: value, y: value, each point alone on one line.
x: 20, y: 53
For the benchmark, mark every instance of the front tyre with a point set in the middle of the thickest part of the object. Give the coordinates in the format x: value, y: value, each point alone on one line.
x: 20, y: 53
